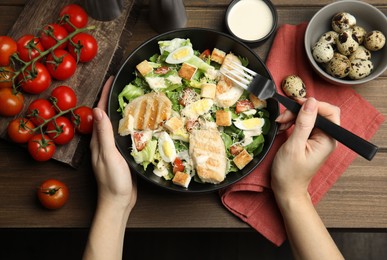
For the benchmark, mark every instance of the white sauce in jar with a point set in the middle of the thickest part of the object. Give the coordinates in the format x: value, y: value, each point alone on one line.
x: 250, y: 19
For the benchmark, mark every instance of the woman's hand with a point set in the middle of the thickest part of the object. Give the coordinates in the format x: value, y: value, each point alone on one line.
x: 115, y: 184
x: 306, y: 149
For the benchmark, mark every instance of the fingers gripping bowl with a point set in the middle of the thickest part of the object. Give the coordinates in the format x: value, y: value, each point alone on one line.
x: 201, y: 39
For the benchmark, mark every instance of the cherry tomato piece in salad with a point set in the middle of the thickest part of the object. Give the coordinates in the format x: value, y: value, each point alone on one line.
x: 53, y: 194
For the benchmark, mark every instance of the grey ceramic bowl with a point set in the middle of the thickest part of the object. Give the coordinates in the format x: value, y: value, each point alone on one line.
x: 367, y: 16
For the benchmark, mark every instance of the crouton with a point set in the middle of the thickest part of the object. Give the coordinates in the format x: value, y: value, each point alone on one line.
x: 208, y: 90
x: 242, y: 159
x: 258, y: 103
x: 218, y: 55
x: 223, y: 118
x: 181, y: 179
x: 187, y: 71
x: 125, y: 125
x: 173, y: 124
x: 144, y: 68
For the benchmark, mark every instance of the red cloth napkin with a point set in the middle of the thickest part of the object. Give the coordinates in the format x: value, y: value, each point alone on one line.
x: 251, y: 199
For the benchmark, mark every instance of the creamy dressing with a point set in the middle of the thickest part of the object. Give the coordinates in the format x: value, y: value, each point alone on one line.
x: 250, y: 19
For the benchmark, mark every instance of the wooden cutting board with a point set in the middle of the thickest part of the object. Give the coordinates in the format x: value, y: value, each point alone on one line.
x: 89, y: 77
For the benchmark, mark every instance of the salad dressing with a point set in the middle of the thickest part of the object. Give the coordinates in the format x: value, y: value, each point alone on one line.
x: 250, y: 19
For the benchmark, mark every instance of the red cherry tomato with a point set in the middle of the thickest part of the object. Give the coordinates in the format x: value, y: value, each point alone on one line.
x: 85, y: 49
x: 7, y: 47
x: 53, y: 194
x: 64, y: 97
x: 140, y: 144
x: 28, y: 47
x: 20, y: 130
x: 83, y: 120
x: 36, y: 79
x: 10, y: 103
x: 75, y: 14
x: 51, y: 34
x: 60, y: 130
x: 6, y: 74
x: 61, y: 64
x: 178, y: 165
x: 40, y: 110
x: 41, y: 148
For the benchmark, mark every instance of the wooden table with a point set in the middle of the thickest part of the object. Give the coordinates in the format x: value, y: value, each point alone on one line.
x: 357, y: 200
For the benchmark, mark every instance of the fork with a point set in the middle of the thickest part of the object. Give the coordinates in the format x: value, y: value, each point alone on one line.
x: 264, y: 88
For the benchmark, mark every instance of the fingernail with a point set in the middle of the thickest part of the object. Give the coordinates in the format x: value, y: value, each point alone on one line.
x: 278, y: 119
x: 310, y: 105
x: 97, y: 114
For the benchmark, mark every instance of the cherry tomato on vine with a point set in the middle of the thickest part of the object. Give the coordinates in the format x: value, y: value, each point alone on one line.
x: 51, y: 34
x: 40, y: 110
x: 41, y: 147
x: 6, y: 74
x: 61, y: 64
x: 75, y: 14
x: 10, y: 103
x: 29, y: 47
x: 20, y: 130
x: 60, y: 130
x: 64, y: 97
x: 85, y: 49
x: 8, y: 47
x: 53, y: 194
x: 83, y: 120
x: 35, y: 79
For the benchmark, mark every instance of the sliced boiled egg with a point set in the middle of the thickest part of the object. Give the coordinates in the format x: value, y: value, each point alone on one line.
x: 197, y: 108
x: 180, y: 55
x: 166, y: 147
x: 250, y: 124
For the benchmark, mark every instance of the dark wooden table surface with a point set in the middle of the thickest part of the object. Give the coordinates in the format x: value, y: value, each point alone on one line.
x: 357, y: 200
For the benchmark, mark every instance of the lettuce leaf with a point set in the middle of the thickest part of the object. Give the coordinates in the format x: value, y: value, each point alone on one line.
x: 145, y: 156
x: 129, y: 93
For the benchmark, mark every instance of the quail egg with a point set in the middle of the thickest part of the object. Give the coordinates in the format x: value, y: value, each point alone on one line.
x: 343, y: 21
x: 329, y: 37
x: 360, y: 68
x: 293, y: 86
x: 359, y: 32
x: 374, y: 40
x: 360, y: 53
x: 322, y: 52
x: 338, y: 66
x: 347, y: 43
x: 253, y: 123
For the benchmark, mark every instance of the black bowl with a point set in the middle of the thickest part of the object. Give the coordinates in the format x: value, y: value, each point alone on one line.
x: 201, y: 39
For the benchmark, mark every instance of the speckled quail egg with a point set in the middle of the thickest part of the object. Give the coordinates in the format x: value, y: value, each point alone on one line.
x: 347, y: 43
x: 322, y: 52
x: 293, y: 86
x: 360, y: 53
x: 343, y: 21
x: 360, y: 68
x: 359, y: 32
x: 374, y: 40
x: 338, y: 66
x: 329, y: 37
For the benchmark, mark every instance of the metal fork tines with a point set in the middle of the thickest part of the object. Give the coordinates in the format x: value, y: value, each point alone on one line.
x: 249, y: 80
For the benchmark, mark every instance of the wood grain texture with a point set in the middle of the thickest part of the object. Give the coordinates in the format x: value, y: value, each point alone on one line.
x: 89, y: 77
x: 357, y: 200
